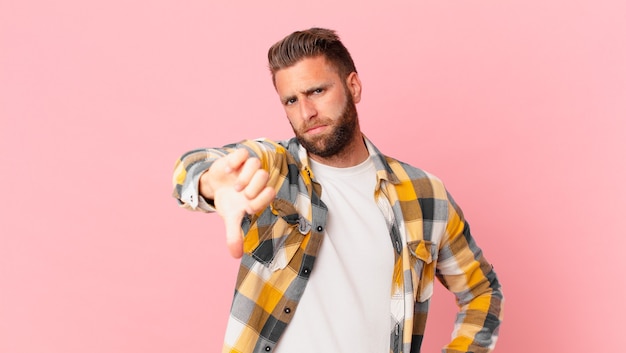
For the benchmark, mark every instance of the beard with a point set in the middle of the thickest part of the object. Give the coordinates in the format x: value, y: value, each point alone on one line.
x: 338, y: 138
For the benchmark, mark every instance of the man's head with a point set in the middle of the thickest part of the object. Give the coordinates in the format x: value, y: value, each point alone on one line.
x: 318, y: 87
x: 308, y: 44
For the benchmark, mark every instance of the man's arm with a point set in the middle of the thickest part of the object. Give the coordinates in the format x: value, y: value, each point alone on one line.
x: 234, y: 182
x: 463, y: 269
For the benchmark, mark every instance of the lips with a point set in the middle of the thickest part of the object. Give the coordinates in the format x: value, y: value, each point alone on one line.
x: 315, y: 129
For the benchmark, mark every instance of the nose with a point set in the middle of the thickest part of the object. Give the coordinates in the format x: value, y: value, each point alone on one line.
x: 307, y: 109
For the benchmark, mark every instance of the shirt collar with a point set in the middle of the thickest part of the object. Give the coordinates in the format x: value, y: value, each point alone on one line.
x: 383, y: 170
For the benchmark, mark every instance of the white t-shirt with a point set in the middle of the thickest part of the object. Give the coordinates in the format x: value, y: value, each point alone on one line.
x: 346, y: 304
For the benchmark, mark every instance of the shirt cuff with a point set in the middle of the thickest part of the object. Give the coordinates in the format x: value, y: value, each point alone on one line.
x: 190, y: 194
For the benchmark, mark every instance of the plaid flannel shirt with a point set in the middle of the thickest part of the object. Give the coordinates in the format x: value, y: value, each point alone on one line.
x: 426, y: 227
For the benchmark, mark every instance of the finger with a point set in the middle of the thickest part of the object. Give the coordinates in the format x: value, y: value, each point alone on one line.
x: 236, y: 159
x: 247, y: 172
x: 256, y: 184
x: 262, y: 200
x: 234, y: 237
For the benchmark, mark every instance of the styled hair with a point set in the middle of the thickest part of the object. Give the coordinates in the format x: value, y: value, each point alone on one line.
x: 310, y: 43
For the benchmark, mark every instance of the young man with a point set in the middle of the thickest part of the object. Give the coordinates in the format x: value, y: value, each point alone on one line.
x: 339, y: 244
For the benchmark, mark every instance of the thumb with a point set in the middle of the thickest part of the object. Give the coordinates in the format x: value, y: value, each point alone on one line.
x: 234, y: 237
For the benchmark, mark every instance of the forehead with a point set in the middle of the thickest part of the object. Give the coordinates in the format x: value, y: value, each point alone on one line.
x: 305, y: 74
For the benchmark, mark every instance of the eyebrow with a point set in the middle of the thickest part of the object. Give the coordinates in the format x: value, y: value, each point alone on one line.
x: 309, y: 91
x: 315, y: 88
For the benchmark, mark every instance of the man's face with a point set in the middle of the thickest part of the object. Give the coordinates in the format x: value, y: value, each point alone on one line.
x: 320, y: 106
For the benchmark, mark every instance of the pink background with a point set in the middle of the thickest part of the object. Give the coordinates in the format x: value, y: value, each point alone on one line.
x: 520, y: 106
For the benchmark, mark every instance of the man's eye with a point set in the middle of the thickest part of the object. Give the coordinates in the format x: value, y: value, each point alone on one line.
x: 290, y: 101
x: 318, y: 91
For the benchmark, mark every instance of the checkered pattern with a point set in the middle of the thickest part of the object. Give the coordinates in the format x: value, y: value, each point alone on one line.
x: 426, y: 227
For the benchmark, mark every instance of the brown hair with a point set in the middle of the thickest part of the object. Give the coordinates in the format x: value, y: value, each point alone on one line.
x: 310, y: 43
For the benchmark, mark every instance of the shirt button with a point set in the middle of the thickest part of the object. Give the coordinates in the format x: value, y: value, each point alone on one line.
x: 268, y: 348
x: 320, y: 228
x: 287, y: 310
x: 303, y: 226
x: 306, y: 271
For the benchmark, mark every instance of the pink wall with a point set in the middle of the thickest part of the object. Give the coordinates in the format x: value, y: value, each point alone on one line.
x: 519, y: 106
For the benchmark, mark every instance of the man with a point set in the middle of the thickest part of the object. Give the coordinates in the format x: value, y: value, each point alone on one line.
x: 339, y: 244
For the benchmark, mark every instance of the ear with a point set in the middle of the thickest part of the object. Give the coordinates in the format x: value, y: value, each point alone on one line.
x: 354, y: 86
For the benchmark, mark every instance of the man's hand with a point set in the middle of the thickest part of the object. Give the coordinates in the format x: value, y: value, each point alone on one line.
x: 238, y: 185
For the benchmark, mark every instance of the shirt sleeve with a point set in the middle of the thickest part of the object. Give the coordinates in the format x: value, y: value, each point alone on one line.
x: 190, y: 166
x: 464, y: 271
x: 187, y: 171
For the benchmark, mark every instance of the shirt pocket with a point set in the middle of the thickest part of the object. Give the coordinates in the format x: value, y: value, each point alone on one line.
x: 423, y: 256
x: 279, y: 241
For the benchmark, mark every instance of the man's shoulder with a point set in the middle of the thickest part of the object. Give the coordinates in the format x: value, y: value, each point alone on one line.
x: 275, y: 152
x: 266, y: 144
x: 400, y: 170
x: 405, y: 171
x: 288, y: 144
